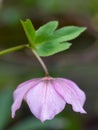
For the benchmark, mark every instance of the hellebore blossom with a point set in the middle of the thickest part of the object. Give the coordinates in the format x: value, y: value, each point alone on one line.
x: 48, y: 96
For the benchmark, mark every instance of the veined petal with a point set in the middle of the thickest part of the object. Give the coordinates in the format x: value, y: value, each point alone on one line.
x: 71, y: 93
x: 19, y: 93
x: 44, y: 101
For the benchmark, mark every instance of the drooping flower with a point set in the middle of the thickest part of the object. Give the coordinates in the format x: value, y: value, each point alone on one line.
x: 48, y: 96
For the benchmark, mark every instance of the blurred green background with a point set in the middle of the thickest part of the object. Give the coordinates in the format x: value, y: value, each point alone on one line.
x: 79, y: 63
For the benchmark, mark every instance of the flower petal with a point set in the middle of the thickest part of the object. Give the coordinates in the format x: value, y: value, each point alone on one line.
x: 44, y: 101
x: 20, y: 92
x: 71, y: 93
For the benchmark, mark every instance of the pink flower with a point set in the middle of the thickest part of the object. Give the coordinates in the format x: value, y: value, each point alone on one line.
x: 48, y: 96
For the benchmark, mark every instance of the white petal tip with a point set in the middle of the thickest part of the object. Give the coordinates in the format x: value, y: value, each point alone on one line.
x: 44, y: 120
x: 13, y: 115
x: 83, y: 112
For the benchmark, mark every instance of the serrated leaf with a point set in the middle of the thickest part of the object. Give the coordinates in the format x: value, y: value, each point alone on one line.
x: 67, y: 33
x: 55, y: 42
x: 51, y: 48
x: 45, y: 32
x: 47, y: 40
x: 29, y: 31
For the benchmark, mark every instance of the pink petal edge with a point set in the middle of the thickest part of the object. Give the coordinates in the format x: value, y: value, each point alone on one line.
x: 44, y: 102
x: 20, y: 92
x: 71, y: 93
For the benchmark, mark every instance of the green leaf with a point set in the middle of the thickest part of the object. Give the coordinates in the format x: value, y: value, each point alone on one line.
x: 51, y: 48
x: 45, y: 32
x: 47, y: 40
x: 67, y: 33
x: 57, y: 42
x: 29, y: 31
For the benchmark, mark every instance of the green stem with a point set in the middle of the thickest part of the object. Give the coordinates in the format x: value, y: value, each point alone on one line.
x: 41, y: 62
x: 12, y: 49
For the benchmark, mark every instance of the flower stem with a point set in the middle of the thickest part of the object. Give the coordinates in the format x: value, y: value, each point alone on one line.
x: 41, y: 62
x: 12, y: 49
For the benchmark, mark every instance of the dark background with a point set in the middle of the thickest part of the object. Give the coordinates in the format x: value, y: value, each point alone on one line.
x: 79, y: 63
